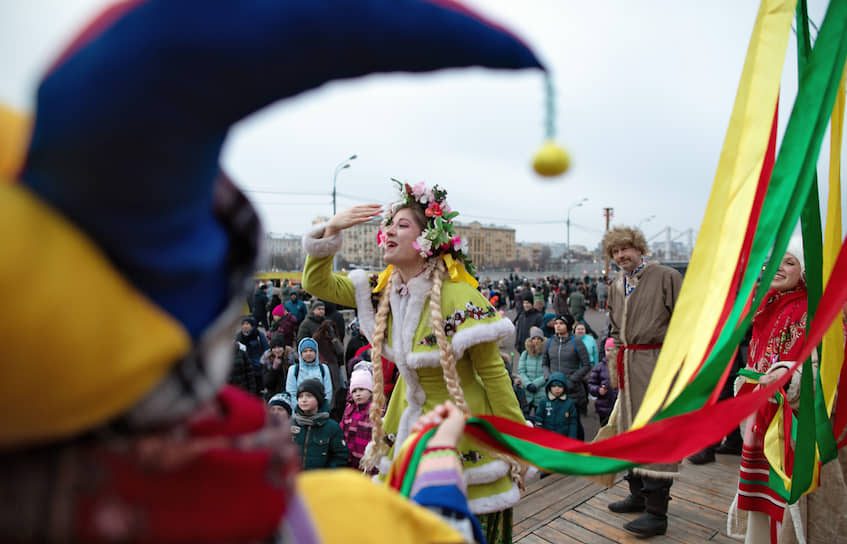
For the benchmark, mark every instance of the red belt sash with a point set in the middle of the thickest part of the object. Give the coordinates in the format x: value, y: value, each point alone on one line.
x: 622, y: 349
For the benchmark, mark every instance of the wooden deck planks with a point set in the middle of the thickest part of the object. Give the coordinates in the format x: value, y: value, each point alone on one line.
x: 573, y: 510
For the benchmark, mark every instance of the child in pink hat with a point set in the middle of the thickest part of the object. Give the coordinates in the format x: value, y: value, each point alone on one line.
x: 355, y: 422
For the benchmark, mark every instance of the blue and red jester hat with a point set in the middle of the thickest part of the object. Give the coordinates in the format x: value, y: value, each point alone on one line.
x: 132, y: 118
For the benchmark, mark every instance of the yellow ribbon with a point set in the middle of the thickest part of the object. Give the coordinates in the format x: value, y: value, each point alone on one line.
x: 455, y: 268
x: 458, y: 272
x: 774, y: 448
x: 382, y: 280
x: 710, y: 272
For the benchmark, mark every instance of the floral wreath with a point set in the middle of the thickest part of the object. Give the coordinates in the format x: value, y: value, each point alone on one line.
x: 439, y: 236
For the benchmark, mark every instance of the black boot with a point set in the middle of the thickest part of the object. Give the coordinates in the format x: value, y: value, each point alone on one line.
x: 655, y: 520
x: 635, y: 501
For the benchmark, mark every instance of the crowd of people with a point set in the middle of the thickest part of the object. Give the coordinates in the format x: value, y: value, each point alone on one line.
x: 556, y: 371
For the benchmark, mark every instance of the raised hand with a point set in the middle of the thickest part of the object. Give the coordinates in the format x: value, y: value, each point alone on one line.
x: 352, y: 216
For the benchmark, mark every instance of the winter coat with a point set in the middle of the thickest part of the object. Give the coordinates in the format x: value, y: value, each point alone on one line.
x: 296, y: 308
x: 287, y: 327
x: 576, y: 304
x: 591, y: 347
x: 309, y: 326
x: 320, y: 440
x: 641, y: 318
x: 569, y: 356
x: 525, y: 321
x: 357, y: 430
x: 557, y: 414
x: 531, y: 372
x: 473, y: 328
x: 302, y: 371
x: 273, y: 379
x: 256, y: 344
x: 242, y: 373
x: 600, y: 376
x: 260, y: 308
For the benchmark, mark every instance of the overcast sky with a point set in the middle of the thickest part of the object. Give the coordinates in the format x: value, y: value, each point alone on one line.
x: 644, y: 92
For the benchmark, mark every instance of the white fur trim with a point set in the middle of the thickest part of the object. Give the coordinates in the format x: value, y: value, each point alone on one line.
x: 486, y: 473
x: 660, y: 474
x: 495, y: 503
x: 477, y: 334
x: 364, y: 307
x: 322, y: 247
x: 384, y: 465
x: 425, y: 359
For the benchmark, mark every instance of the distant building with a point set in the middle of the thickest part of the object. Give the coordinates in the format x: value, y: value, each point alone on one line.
x: 360, y: 247
x: 488, y: 246
x: 528, y: 255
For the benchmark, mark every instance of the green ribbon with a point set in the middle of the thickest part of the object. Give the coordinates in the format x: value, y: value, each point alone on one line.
x: 787, y: 194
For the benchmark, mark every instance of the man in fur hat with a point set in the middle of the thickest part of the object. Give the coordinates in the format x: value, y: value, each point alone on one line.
x: 641, y: 301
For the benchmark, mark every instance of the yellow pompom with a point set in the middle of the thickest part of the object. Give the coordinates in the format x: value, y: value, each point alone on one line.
x: 551, y: 160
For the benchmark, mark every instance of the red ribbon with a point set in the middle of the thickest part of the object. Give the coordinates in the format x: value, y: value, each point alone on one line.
x: 635, y: 347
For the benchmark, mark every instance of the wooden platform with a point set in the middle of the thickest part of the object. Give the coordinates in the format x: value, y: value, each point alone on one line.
x: 570, y: 509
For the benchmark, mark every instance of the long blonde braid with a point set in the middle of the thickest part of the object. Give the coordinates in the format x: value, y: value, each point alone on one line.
x: 447, y: 357
x: 375, y: 453
x: 451, y: 375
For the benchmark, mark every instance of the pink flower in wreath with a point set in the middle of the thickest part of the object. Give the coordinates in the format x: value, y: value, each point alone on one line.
x: 380, y: 238
x: 433, y: 210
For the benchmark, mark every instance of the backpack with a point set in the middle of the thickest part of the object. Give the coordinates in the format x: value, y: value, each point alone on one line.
x: 297, y: 371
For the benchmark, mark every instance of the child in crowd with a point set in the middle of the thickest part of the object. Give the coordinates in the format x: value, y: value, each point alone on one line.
x: 556, y: 412
x: 278, y: 404
x: 355, y: 423
x: 600, y: 385
x: 530, y: 369
x: 283, y: 325
x: 275, y: 362
x: 319, y: 438
x: 308, y: 368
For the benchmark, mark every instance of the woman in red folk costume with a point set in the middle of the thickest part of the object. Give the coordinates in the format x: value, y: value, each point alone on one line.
x: 778, y: 334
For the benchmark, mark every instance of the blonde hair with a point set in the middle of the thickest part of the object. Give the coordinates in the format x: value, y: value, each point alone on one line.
x: 447, y: 358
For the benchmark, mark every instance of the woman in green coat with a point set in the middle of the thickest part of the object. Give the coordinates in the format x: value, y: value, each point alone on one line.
x: 436, y: 326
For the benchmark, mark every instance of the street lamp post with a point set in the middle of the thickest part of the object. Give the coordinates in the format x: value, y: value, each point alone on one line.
x: 568, y: 222
x: 341, y: 166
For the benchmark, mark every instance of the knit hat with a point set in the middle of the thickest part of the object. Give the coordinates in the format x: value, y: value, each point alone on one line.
x: 279, y: 310
x: 280, y: 399
x: 277, y: 341
x: 610, y: 342
x: 569, y: 320
x: 317, y: 304
x: 535, y: 332
x: 307, y: 343
x: 361, y: 379
x: 538, y: 298
x: 314, y: 387
x: 249, y: 319
x: 547, y: 319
